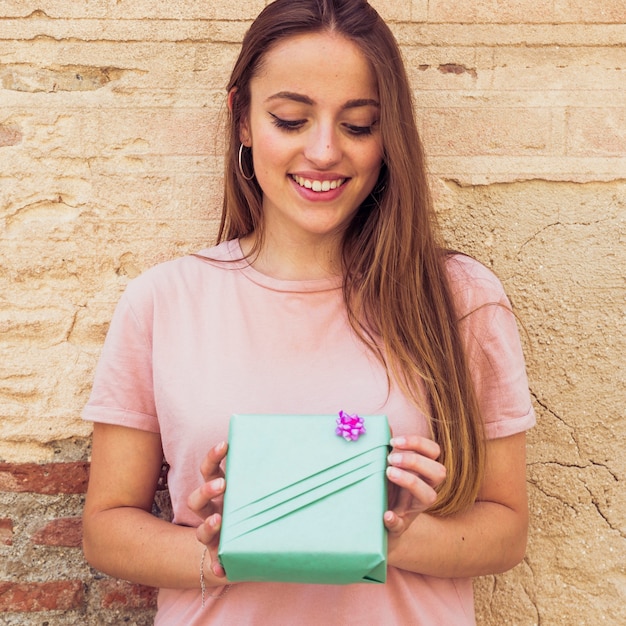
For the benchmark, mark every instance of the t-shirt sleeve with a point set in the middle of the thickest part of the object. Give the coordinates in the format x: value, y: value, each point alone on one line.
x: 123, y: 390
x: 490, y: 333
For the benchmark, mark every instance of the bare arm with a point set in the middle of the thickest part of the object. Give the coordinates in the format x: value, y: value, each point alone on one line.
x: 488, y: 538
x: 121, y: 537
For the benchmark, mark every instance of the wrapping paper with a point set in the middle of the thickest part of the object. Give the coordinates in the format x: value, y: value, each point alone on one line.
x: 303, y: 504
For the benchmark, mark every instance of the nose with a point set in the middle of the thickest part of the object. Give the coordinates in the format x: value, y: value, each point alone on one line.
x: 323, y: 146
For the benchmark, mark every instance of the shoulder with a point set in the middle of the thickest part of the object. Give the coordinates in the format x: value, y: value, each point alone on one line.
x: 183, y: 273
x: 472, y: 284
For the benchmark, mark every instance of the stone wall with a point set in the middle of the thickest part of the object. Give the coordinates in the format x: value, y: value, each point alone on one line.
x: 110, y: 162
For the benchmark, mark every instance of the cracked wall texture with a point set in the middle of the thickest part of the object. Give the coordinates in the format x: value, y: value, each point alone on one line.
x: 110, y: 161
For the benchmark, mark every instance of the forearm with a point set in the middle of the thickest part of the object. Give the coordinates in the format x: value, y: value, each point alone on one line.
x: 131, y: 544
x: 489, y: 538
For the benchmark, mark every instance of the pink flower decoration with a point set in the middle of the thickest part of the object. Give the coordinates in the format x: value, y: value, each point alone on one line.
x: 350, y: 427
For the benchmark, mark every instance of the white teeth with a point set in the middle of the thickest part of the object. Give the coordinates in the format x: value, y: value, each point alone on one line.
x: 319, y: 185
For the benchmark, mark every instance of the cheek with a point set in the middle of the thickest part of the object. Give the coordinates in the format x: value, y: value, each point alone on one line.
x: 372, y: 158
x: 270, y: 158
x: 371, y: 164
x: 379, y: 155
x: 374, y: 164
x: 269, y: 150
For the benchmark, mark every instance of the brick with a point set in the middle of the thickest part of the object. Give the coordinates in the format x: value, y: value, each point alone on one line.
x: 485, y: 170
x: 118, y: 594
x: 596, y: 132
x: 44, y: 409
x: 393, y: 11
x: 130, y: 31
x: 186, y: 10
x: 47, y: 479
x: 47, y: 131
x: 574, y: 75
x: 6, y: 532
x: 33, y: 597
x: 28, y: 323
x: 509, y: 36
x: 56, y: 78
x: 489, y: 11
x: 63, y: 532
x: 484, y: 131
x: 138, y: 132
x: 604, y: 12
x: 419, y: 10
x: 600, y: 70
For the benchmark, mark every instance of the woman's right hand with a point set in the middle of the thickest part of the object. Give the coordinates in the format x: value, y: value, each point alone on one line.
x: 207, y: 502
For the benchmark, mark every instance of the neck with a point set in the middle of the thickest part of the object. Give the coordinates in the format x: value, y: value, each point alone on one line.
x: 285, y: 259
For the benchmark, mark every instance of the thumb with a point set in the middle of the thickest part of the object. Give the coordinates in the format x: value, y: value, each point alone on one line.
x: 394, y: 523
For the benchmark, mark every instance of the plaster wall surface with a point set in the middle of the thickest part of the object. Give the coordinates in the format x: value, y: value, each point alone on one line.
x: 110, y: 161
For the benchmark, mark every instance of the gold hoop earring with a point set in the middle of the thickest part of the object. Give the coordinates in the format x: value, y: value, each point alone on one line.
x: 241, y: 164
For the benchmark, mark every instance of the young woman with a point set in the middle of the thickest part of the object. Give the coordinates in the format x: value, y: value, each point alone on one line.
x: 329, y: 289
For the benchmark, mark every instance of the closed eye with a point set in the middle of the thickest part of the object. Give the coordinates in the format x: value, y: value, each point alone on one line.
x: 293, y: 125
x: 288, y: 125
x: 360, y: 131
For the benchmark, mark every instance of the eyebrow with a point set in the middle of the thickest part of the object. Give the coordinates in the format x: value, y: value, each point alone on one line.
x: 298, y: 97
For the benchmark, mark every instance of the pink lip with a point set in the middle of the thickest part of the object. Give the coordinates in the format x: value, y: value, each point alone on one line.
x: 319, y: 196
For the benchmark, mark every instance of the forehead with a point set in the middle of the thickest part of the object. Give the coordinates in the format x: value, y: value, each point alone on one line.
x: 322, y: 66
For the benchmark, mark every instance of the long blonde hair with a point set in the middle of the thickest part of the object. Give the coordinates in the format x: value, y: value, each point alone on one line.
x: 396, y: 287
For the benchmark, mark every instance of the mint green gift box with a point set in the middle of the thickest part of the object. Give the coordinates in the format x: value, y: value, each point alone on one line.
x: 302, y: 504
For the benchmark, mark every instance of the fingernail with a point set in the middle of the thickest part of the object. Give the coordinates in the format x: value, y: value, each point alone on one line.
x: 393, y: 472
x: 394, y: 458
x: 217, y: 484
x: 398, y: 441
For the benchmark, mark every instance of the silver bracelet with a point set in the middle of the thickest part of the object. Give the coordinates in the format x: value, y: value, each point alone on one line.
x: 222, y: 592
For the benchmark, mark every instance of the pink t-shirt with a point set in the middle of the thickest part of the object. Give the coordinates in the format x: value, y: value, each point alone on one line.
x: 193, y: 341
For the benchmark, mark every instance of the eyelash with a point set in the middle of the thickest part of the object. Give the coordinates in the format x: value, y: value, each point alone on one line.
x: 289, y: 125
x: 360, y: 131
x: 294, y: 125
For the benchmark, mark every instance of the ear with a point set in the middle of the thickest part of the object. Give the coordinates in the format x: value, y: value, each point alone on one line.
x: 231, y: 98
x: 244, y: 133
x: 244, y: 130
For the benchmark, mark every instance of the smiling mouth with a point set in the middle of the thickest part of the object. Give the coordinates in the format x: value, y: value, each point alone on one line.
x: 318, y: 185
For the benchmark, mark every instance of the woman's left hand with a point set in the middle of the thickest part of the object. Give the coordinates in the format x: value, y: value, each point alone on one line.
x: 414, y: 474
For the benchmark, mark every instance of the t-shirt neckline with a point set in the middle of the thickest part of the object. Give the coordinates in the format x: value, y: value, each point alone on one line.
x: 276, y: 284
